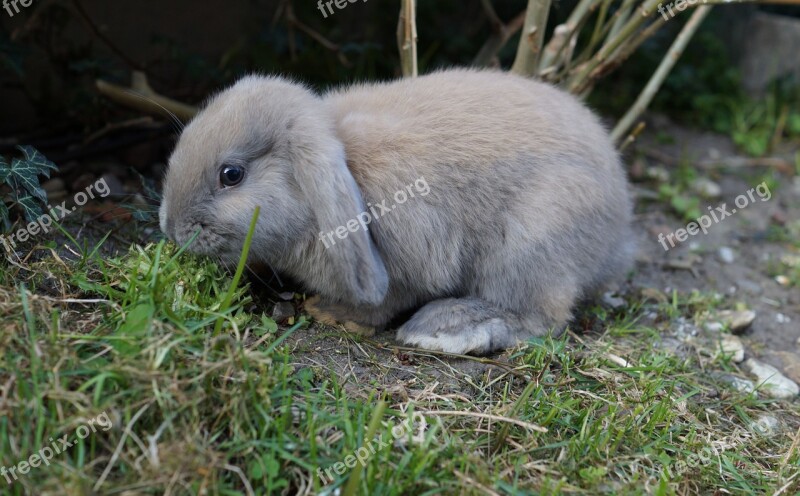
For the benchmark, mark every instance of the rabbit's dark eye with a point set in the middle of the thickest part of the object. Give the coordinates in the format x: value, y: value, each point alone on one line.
x: 231, y: 175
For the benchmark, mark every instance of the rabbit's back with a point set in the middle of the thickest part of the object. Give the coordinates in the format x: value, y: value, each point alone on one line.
x: 464, y: 116
x: 514, y: 166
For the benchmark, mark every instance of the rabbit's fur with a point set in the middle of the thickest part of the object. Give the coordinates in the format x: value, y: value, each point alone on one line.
x: 528, y: 207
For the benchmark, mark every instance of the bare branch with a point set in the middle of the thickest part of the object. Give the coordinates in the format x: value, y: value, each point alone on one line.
x: 140, y: 96
x: 407, y: 38
x: 674, y: 53
x: 530, y: 43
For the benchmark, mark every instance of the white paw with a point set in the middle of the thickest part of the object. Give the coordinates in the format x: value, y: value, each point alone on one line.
x: 477, y: 340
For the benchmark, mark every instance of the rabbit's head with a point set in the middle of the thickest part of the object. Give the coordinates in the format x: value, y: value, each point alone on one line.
x: 269, y: 142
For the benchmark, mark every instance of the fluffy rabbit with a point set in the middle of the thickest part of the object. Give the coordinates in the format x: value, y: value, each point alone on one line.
x: 527, y: 208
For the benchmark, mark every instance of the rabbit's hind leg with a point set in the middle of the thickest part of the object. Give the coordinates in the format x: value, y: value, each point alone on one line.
x: 464, y: 325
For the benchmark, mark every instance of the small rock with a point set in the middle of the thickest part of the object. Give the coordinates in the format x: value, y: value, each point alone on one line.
x: 658, y: 173
x: 771, y: 381
x: 782, y: 319
x: 613, y: 301
x: 282, y: 311
x: 685, y: 330
x: 791, y: 260
x: 737, y: 320
x: 782, y: 280
x: 675, y: 347
x: 765, y: 425
x: 731, y: 346
x: 726, y: 255
x: 707, y: 188
x: 738, y: 383
x: 790, y: 364
x: 713, y: 326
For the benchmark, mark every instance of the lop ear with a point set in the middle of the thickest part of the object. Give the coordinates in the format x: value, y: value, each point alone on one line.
x: 336, y: 200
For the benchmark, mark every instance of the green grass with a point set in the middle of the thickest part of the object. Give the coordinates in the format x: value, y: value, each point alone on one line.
x: 240, y: 412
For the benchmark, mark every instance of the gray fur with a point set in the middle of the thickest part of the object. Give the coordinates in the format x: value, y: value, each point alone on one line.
x: 528, y: 209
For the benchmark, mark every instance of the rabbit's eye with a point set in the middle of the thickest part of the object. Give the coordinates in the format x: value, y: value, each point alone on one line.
x: 231, y: 175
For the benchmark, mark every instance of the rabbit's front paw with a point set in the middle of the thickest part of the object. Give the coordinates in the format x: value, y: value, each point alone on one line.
x: 331, y: 315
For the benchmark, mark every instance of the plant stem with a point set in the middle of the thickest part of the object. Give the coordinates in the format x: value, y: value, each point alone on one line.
x: 239, y: 270
x: 355, y: 479
x: 532, y: 38
x: 407, y: 38
x: 649, y: 91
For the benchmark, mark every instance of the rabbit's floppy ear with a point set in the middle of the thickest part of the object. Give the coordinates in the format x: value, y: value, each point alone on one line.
x: 335, y: 200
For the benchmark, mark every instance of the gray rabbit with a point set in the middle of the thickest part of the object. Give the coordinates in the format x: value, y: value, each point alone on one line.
x: 525, y: 209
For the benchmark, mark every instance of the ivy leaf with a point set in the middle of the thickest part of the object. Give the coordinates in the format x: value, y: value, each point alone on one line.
x: 30, y: 207
x: 24, y: 173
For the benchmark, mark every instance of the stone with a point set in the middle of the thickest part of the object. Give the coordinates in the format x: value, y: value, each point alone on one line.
x: 658, y: 173
x: 782, y: 319
x: 782, y: 280
x: 790, y: 364
x: 675, y: 347
x: 685, y: 330
x: 707, y: 188
x: 282, y: 311
x: 770, y: 380
x: 737, y: 320
x: 613, y: 301
x: 791, y: 260
x: 738, y: 383
x: 732, y: 346
x: 726, y: 255
x: 765, y: 425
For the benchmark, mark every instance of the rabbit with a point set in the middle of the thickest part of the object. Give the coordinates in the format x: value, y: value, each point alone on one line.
x: 527, y: 209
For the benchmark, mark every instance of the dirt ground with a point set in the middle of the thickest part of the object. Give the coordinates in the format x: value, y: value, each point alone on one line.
x: 748, y: 282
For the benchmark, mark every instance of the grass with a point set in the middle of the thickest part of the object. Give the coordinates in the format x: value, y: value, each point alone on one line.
x: 607, y: 411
